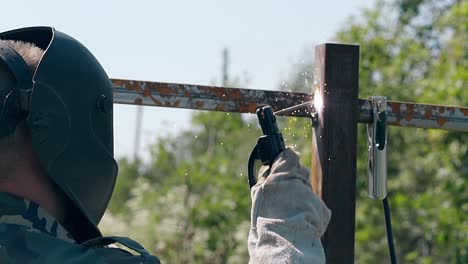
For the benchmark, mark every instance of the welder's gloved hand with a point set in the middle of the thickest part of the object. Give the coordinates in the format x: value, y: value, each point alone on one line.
x: 287, y: 218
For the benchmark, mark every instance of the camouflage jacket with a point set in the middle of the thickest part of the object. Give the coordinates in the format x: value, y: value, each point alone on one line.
x: 28, y: 234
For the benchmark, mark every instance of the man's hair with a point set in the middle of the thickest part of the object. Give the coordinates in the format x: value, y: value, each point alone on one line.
x: 30, y: 53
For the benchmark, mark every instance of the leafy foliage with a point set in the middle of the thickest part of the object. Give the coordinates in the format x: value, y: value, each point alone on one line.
x: 191, y: 203
x: 419, y: 56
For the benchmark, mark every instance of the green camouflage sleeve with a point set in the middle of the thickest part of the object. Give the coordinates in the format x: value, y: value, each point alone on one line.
x: 28, y: 235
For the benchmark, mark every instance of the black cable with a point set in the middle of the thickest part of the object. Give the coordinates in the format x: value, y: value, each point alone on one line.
x: 251, y: 167
x: 388, y: 225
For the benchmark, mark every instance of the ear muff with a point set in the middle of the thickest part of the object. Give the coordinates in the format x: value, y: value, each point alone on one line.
x: 14, y: 100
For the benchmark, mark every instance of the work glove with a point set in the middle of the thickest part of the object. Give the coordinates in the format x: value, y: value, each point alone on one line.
x: 287, y: 218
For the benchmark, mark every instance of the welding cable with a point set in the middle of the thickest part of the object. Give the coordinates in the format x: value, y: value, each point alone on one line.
x: 251, y: 166
x: 388, y: 225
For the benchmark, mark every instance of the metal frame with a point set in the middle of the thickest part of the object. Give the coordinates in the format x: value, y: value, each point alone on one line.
x: 239, y: 100
x: 335, y: 136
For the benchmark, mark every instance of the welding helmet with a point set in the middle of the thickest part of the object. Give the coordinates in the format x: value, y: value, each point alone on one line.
x: 68, y: 107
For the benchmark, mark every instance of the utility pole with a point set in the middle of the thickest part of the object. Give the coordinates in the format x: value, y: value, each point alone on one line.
x: 225, y: 69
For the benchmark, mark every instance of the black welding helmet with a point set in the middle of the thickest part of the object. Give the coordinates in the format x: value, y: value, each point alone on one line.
x: 69, y: 111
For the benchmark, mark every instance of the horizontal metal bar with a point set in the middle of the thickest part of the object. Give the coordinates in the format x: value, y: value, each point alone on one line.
x: 202, y: 97
x: 407, y: 114
x: 214, y: 98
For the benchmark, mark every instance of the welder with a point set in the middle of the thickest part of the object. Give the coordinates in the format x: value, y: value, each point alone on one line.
x: 58, y: 172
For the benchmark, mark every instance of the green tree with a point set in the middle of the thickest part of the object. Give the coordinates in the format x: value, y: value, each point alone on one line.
x: 191, y: 203
x: 416, y: 53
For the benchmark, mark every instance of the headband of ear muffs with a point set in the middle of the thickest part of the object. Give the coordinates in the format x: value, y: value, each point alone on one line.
x: 14, y: 100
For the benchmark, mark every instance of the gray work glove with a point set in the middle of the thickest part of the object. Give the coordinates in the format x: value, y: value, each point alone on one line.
x: 287, y: 218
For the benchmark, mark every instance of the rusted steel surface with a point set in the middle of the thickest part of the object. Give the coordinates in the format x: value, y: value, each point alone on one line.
x: 202, y: 97
x: 420, y: 115
x: 214, y: 98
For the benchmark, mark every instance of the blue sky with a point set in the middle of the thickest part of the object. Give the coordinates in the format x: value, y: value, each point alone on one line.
x: 182, y: 41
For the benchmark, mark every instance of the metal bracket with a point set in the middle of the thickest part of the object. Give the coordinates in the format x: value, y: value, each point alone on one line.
x: 377, y: 147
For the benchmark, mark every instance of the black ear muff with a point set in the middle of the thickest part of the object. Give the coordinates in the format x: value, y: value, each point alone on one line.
x: 14, y: 99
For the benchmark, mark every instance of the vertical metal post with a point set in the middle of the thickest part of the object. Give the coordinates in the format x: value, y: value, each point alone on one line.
x: 333, y: 173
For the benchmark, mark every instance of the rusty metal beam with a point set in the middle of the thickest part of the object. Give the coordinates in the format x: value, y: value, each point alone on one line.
x: 420, y: 115
x: 214, y: 98
x: 202, y: 97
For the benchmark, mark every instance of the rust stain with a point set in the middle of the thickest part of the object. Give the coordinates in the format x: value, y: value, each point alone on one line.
x: 237, y: 95
x: 395, y: 108
x: 164, y: 90
x: 252, y: 107
x: 136, y: 86
x: 199, y: 104
x: 410, y: 112
x: 428, y: 112
x: 248, y: 107
x: 222, y: 94
x: 464, y: 111
x: 441, y: 109
x: 117, y: 83
x: 441, y: 121
x: 177, y: 103
x: 146, y: 92
x: 127, y: 85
